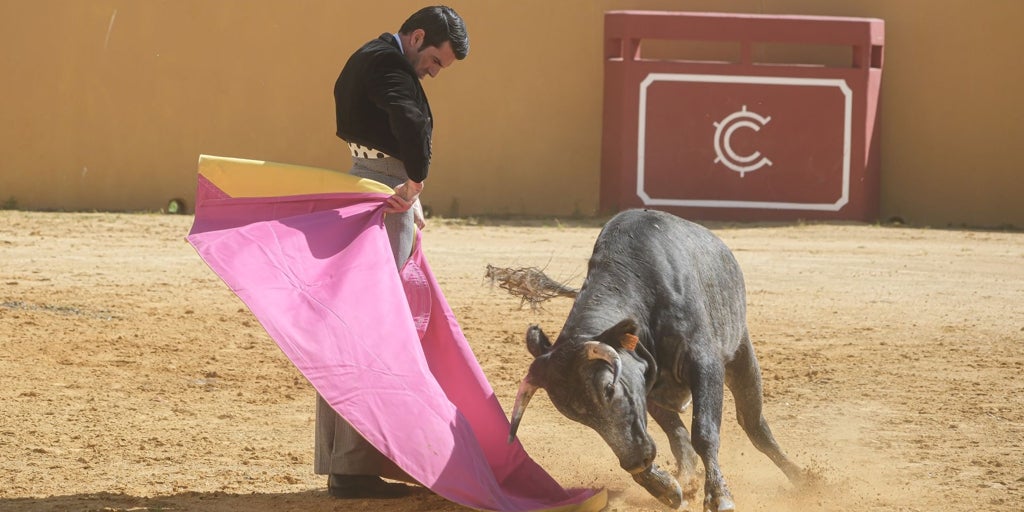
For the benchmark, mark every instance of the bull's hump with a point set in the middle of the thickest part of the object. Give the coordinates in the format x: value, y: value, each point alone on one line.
x: 650, y: 236
x: 645, y: 258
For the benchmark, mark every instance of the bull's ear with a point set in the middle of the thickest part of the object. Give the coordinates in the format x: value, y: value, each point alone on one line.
x: 536, y: 341
x: 622, y: 334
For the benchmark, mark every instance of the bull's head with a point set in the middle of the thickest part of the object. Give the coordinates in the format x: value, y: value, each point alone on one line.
x: 600, y: 382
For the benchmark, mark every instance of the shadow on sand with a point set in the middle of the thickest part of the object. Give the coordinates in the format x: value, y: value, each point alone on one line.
x: 307, y: 501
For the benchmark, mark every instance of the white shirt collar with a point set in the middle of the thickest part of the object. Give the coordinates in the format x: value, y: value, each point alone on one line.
x: 399, y: 39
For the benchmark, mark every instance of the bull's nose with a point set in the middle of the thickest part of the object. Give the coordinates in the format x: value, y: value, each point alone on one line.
x: 640, y: 466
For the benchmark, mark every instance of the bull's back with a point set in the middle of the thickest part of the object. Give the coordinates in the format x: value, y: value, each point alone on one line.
x: 666, y: 271
x: 658, y: 241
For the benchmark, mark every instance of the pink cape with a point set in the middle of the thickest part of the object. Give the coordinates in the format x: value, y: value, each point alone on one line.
x: 384, y: 349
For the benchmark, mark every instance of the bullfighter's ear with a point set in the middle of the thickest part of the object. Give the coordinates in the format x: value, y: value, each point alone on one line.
x: 622, y: 334
x: 536, y: 341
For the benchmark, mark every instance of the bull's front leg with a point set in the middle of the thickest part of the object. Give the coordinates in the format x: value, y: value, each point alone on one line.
x: 679, y: 443
x: 707, y: 383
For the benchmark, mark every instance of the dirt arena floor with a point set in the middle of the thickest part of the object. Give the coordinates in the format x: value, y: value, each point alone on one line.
x: 132, y: 379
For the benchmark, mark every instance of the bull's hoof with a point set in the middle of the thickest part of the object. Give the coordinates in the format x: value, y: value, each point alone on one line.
x: 661, y: 485
x: 721, y: 504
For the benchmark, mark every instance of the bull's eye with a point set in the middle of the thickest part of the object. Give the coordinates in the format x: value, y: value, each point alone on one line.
x: 609, y: 392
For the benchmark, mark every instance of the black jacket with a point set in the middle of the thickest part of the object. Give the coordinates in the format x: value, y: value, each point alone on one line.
x: 380, y: 103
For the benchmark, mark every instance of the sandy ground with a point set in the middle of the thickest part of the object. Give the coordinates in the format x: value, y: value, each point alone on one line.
x: 131, y: 378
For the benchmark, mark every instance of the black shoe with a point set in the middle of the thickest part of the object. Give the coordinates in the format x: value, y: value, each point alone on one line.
x: 364, y: 486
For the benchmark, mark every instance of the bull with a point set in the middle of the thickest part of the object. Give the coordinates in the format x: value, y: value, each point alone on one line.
x: 659, y: 323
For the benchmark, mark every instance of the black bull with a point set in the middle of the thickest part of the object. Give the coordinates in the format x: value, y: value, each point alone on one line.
x: 660, y: 318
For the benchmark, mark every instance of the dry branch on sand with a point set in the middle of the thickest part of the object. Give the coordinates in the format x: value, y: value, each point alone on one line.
x: 530, y: 284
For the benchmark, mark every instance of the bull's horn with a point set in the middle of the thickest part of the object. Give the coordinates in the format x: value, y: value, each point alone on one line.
x: 523, y: 396
x: 605, y: 352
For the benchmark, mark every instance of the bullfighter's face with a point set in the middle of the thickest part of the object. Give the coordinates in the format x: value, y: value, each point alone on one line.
x: 428, y: 60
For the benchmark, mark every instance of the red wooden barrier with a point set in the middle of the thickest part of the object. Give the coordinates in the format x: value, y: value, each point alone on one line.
x: 741, y: 139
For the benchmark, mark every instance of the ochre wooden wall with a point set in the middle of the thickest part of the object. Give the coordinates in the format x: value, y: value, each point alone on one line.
x: 107, y: 104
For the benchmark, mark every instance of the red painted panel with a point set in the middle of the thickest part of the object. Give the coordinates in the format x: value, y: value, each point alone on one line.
x: 741, y: 141
x: 761, y: 141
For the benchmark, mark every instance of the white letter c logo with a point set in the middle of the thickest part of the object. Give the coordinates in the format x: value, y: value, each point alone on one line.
x: 723, y: 141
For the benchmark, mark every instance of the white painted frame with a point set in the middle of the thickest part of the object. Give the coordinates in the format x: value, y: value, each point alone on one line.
x: 736, y: 79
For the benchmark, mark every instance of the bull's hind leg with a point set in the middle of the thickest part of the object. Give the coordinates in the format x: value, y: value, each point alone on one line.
x: 679, y: 442
x: 744, y: 378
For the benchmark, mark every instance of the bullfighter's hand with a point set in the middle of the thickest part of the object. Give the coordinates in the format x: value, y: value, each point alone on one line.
x: 404, y: 197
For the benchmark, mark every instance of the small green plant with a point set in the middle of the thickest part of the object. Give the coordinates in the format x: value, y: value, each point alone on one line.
x: 176, y: 206
x: 10, y: 204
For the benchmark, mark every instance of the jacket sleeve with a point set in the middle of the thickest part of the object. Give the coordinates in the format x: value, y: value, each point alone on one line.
x: 394, y: 90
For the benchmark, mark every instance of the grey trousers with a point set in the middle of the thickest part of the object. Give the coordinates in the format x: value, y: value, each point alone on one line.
x: 338, y: 448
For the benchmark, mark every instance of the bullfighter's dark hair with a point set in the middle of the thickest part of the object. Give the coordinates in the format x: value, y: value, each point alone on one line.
x: 440, y: 23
